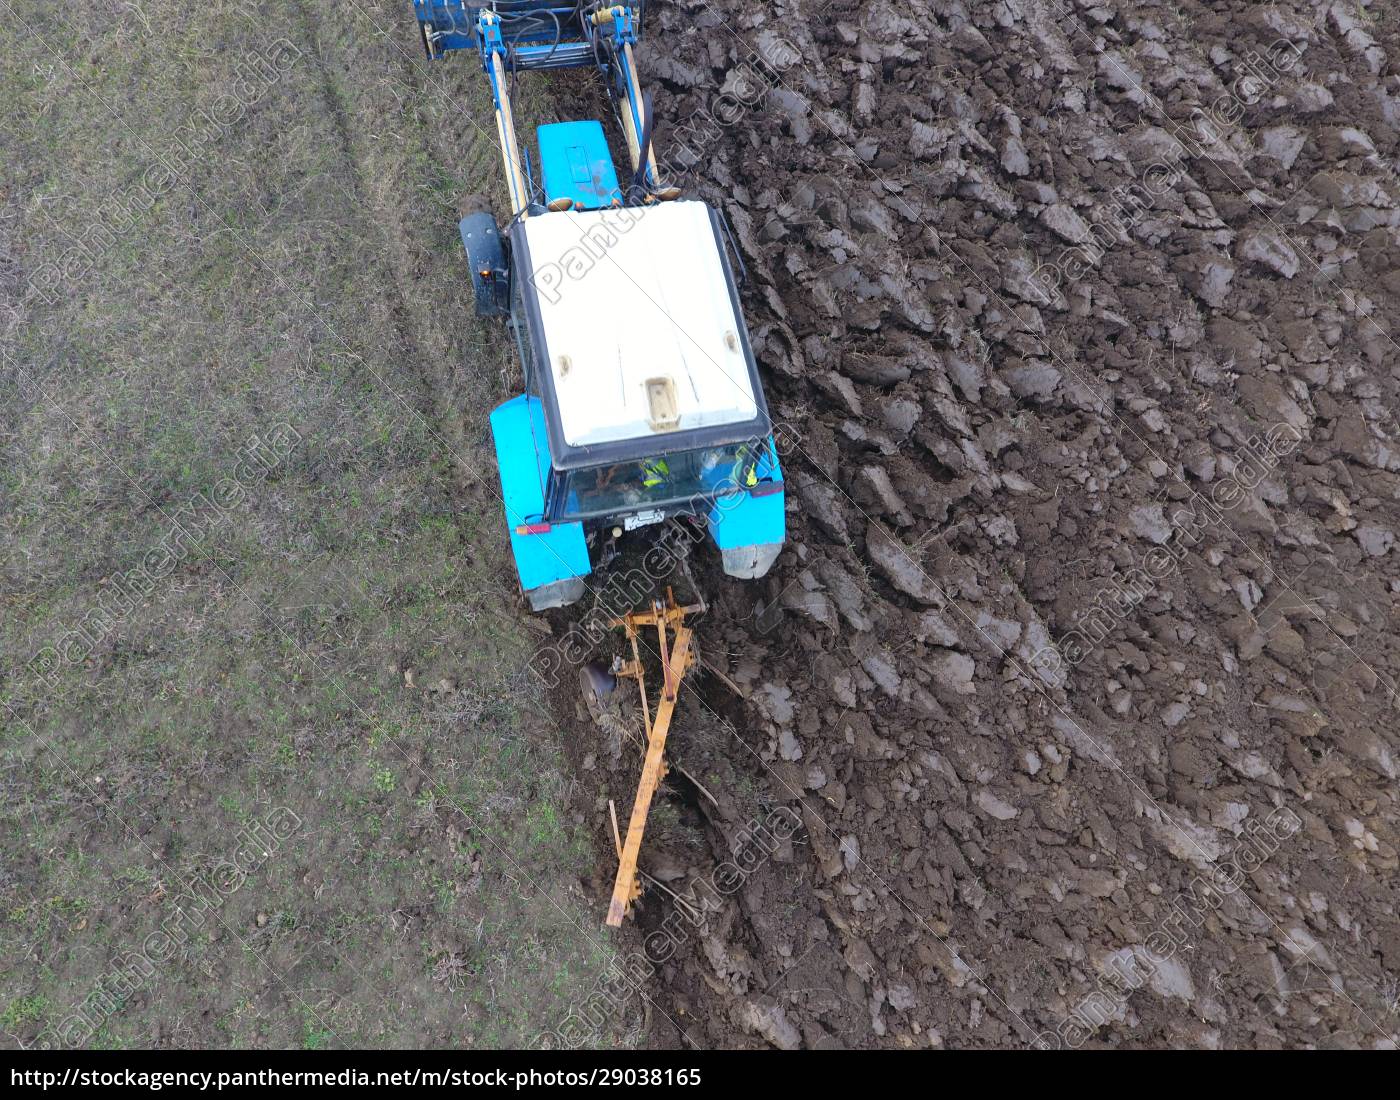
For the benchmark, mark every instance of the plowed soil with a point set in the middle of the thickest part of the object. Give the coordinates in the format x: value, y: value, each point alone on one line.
x: 1079, y: 668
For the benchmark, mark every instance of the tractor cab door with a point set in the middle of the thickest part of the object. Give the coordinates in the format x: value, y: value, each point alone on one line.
x: 556, y: 497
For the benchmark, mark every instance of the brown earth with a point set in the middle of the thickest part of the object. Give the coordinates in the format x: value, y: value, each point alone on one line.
x: 1090, y: 592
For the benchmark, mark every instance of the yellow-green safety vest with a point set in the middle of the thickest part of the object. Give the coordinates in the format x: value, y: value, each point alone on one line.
x: 654, y: 472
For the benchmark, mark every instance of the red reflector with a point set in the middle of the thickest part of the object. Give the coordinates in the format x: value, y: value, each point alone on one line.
x: 766, y: 489
x: 533, y: 529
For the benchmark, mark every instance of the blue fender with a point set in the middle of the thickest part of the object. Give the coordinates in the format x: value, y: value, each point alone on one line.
x: 551, y: 564
x: 749, y: 527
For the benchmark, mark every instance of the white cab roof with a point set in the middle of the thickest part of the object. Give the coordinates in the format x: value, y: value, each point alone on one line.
x: 642, y: 335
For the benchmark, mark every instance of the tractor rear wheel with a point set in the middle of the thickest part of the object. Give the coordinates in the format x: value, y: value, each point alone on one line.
x: 486, y: 258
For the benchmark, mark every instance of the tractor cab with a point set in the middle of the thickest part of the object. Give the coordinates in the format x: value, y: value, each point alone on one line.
x: 642, y: 397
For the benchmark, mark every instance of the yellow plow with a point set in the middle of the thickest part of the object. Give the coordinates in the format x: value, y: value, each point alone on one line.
x: 676, y: 645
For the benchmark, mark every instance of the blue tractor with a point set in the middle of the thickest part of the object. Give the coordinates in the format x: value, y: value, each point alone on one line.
x: 642, y: 398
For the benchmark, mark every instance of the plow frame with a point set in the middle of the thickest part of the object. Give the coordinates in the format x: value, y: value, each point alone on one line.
x: 677, y: 655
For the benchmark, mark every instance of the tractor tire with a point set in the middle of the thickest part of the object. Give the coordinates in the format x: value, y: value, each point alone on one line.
x: 486, y: 259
